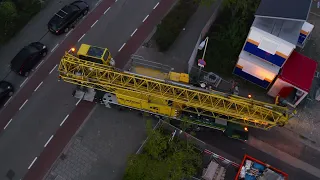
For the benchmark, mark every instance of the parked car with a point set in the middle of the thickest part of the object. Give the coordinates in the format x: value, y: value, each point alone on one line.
x: 28, y: 58
x: 67, y: 17
x: 6, y: 90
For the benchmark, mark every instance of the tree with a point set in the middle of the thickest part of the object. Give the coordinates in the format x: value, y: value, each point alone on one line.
x: 162, y: 159
x: 8, y: 14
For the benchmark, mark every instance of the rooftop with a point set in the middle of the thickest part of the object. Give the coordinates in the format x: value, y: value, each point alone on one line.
x: 299, y: 71
x: 284, y: 9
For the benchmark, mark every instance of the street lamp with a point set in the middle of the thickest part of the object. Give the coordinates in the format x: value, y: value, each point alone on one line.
x: 202, y: 62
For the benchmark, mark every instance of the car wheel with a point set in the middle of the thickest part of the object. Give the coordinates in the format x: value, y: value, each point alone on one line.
x: 44, y: 54
x: 85, y: 12
x: 10, y: 93
x: 26, y: 74
x: 66, y: 29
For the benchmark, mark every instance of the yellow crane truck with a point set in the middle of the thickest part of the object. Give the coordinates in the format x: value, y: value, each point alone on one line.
x: 165, y: 94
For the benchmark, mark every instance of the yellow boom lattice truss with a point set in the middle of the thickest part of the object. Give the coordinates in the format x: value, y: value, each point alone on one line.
x: 232, y: 108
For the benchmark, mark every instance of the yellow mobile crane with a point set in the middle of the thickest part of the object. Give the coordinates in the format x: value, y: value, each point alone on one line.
x: 172, y: 97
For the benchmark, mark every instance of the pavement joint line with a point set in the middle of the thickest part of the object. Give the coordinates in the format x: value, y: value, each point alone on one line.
x: 78, y: 102
x: 48, y: 141
x: 34, y: 160
x: 64, y: 120
x: 134, y: 32
x: 23, y: 104
x: 23, y: 82
x: 53, y: 68
x: 145, y: 18
x: 7, y: 101
x: 39, y: 64
x: 94, y: 23
x: 55, y: 47
x: 38, y: 86
x: 106, y: 10
x: 156, y: 6
x: 81, y: 37
x: 7, y: 124
x: 69, y: 32
x: 122, y: 47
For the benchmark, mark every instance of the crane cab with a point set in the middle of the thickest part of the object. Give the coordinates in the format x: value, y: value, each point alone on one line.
x: 95, y: 54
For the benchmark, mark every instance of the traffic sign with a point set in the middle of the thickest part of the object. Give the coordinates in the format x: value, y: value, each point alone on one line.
x: 201, y: 63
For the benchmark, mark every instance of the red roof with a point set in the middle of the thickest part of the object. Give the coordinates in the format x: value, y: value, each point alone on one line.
x: 299, y: 71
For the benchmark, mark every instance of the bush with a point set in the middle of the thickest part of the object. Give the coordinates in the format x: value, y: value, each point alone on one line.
x: 14, y: 15
x: 227, y: 35
x: 174, y: 22
x: 162, y: 160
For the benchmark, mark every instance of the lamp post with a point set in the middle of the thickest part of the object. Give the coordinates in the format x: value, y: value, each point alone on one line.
x: 202, y: 62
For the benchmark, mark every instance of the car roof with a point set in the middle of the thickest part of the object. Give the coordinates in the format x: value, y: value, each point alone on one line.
x: 58, y: 18
x: 22, y: 55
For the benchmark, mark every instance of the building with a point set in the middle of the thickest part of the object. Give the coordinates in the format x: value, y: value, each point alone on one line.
x: 278, y: 29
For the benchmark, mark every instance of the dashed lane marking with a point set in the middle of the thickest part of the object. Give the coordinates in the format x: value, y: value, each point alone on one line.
x: 34, y: 160
x: 69, y: 32
x: 7, y: 101
x: 106, y: 10
x: 7, y: 124
x: 53, y: 68
x: 23, y: 82
x: 39, y: 64
x: 64, y: 120
x: 38, y: 86
x: 54, y: 48
x: 23, y: 104
x: 94, y: 23
x: 81, y: 37
x: 156, y: 6
x: 134, y: 32
x: 122, y: 47
x: 48, y: 141
x: 145, y: 18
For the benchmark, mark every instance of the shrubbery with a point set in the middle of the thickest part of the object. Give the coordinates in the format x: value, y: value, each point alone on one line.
x: 14, y: 15
x: 162, y: 159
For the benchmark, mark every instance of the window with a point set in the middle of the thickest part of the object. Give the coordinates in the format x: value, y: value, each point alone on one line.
x: 268, y: 45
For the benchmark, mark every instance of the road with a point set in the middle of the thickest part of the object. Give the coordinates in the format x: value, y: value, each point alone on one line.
x: 238, y: 149
x: 44, y: 107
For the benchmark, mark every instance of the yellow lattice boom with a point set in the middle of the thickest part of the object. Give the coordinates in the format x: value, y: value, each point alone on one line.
x: 245, y: 111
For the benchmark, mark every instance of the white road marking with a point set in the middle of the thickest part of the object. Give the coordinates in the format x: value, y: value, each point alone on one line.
x: 134, y: 32
x: 81, y: 37
x: 39, y: 64
x: 23, y: 82
x: 122, y: 47
x: 156, y: 6
x: 38, y: 86
x: 7, y: 124
x: 145, y: 18
x: 94, y: 23
x: 106, y: 10
x: 69, y: 32
x: 48, y: 141
x: 98, y: 2
x: 7, y: 101
x: 55, y: 47
x: 23, y: 104
x: 64, y: 120
x: 116, y: 0
x: 78, y: 102
x: 53, y: 68
x: 34, y: 160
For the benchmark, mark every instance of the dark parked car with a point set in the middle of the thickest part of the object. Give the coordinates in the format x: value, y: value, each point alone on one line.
x: 28, y: 57
x: 67, y: 17
x: 6, y: 90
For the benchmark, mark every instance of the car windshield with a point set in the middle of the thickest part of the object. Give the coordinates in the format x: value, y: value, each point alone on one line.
x: 58, y: 19
x: 3, y: 87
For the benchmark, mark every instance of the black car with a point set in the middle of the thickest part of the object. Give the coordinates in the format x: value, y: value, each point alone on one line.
x: 28, y: 57
x: 67, y: 17
x: 6, y: 90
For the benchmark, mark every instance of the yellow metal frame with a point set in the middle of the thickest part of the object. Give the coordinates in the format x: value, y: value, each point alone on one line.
x: 232, y: 108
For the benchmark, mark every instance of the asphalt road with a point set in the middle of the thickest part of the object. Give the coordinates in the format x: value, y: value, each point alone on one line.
x: 238, y: 149
x: 32, y: 117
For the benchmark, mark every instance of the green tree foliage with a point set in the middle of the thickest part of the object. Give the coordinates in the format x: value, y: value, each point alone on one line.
x: 174, y: 22
x: 227, y: 35
x: 14, y: 15
x: 162, y: 159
